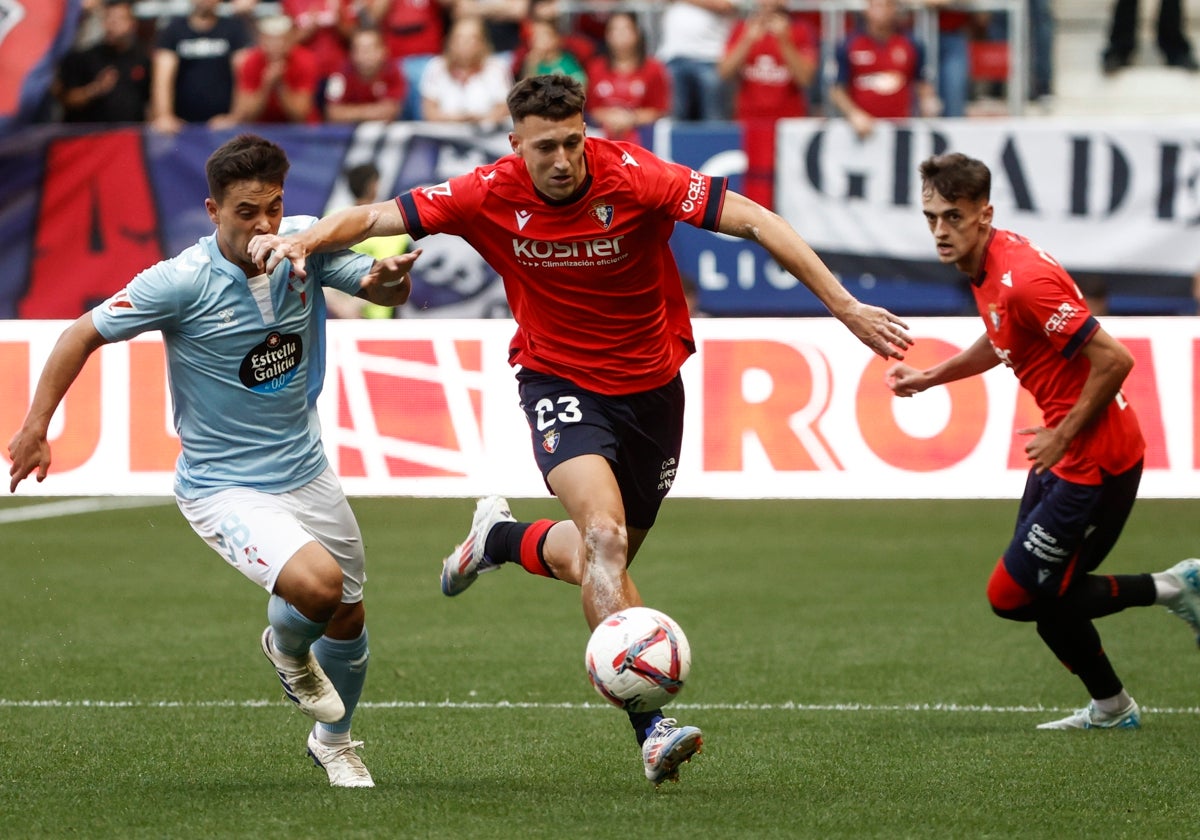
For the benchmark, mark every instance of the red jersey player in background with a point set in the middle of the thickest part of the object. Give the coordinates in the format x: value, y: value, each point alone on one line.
x: 1086, y: 457
x: 578, y: 227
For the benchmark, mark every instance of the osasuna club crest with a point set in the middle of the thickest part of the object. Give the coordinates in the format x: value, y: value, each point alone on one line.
x: 550, y: 440
x: 994, y: 316
x: 602, y: 213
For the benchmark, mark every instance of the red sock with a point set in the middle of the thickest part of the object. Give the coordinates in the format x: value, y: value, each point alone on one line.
x: 532, y: 543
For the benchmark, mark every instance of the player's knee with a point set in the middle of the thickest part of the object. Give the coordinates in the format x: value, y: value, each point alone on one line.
x: 1008, y: 598
x: 312, y: 582
x: 606, y: 543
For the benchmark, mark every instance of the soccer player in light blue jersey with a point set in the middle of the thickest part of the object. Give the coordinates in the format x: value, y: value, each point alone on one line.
x: 245, y: 353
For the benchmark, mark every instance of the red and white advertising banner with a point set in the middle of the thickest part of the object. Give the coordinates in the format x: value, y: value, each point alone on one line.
x: 792, y: 408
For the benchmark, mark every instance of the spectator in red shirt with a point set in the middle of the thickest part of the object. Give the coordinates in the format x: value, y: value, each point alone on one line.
x: 880, y: 70
x: 277, y: 82
x: 626, y: 89
x: 324, y: 27
x: 410, y: 27
x: 771, y: 60
x: 369, y: 87
x: 414, y: 31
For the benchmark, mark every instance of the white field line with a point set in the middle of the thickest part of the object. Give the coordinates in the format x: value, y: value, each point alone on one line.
x: 70, y: 507
x: 507, y: 704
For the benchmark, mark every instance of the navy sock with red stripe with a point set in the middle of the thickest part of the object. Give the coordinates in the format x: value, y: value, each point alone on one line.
x: 520, y: 542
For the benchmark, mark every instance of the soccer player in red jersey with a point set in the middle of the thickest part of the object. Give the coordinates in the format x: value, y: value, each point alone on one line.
x: 578, y: 227
x: 1086, y: 457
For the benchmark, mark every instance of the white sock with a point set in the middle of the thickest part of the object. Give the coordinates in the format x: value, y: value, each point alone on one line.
x: 331, y: 739
x: 1115, y: 704
x: 1167, y: 587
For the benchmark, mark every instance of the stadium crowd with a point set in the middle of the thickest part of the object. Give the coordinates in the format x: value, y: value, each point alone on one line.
x: 231, y: 62
x: 228, y: 63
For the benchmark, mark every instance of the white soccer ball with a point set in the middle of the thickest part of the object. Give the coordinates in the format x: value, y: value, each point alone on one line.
x: 638, y: 659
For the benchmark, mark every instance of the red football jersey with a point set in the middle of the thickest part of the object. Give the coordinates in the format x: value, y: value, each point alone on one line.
x: 879, y: 75
x: 765, y: 86
x: 413, y: 27
x: 646, y: 87
x: 1037, y: 321
x: 348, y: 87
x: 300, y: 74
x: 591, y: 281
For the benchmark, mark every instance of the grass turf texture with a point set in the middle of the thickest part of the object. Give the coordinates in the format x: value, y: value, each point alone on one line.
x: 812, y: 604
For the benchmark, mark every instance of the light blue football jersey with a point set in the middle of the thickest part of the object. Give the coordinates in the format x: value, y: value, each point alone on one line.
x: 246, y: 360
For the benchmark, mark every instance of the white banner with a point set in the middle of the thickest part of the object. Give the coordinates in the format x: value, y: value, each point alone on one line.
x: 792, y: 408
x: 1104, y: 195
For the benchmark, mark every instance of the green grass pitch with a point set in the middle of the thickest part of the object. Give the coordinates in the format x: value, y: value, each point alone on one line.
x: 847, y: 672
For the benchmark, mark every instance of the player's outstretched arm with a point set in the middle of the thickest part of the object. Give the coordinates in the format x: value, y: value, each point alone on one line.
x: 335, y: 232
x: 874, y: 326
x: 29, y: 450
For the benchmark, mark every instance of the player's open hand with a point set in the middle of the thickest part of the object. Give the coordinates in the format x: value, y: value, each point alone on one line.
x: 28, y: 452
x: 879, y: 329
x: 388, y: 283
x: 268, y: 250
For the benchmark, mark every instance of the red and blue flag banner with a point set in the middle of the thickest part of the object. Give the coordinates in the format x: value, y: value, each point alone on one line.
x: 84, y: 208
x: 34, y: 36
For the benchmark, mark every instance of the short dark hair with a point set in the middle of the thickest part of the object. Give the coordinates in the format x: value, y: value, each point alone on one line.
x: 954, y: 175
x: 359, y: 178
x: 553, y: 97
x: 246, y: 157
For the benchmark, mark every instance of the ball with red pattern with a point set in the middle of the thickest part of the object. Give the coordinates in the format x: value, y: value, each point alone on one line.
x: 638, y: 659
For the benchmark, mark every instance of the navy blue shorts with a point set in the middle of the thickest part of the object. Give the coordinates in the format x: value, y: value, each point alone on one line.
x: 1066, y: 529
x: 639, y: 434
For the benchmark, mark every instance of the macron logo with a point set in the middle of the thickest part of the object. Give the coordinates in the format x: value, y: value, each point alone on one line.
x: 523, y: 217
x: 1007, y: 279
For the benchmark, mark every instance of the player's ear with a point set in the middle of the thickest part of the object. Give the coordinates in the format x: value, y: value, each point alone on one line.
x: 985, y: 215
x: 212, y: 208
x: 513, y: 141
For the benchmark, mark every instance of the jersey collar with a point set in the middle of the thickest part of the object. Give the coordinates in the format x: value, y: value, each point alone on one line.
x: 978, y: 279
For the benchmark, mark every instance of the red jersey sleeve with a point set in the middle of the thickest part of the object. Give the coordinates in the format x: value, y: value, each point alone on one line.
x: 447, y: 207
x: 1051, y: 303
